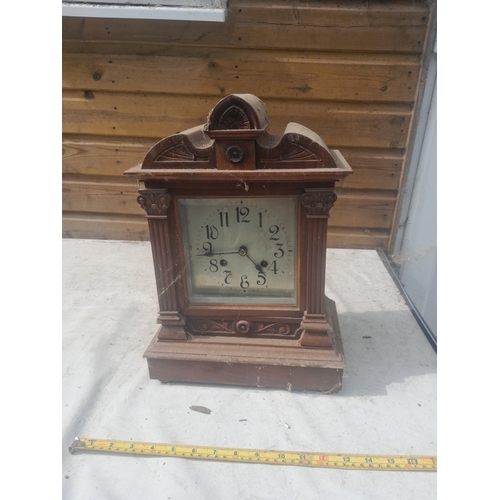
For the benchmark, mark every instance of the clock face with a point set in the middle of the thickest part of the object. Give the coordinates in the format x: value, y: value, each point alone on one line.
x: 240, y: 250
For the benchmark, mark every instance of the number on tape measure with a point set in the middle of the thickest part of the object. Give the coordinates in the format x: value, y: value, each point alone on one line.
x: 333, y: 461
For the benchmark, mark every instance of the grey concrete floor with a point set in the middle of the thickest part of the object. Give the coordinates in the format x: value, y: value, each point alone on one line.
x: 387, y: 404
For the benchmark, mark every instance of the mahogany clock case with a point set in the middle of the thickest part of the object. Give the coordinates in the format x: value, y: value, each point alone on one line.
x: 291, y: 343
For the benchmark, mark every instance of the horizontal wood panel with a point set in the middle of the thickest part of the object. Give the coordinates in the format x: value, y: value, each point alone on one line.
x: 335, y: 14
x: 363, y: 209
x: 102, y: 156
x: 356, y: 208
x: 158, y: 115
x: 105, y: 196
x: 104, y: 227
x: 376, y: 169
x: 357, y: 238
x: 346, y: 35
x: 221, y: 72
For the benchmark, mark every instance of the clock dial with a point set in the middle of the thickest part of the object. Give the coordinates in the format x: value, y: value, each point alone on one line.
x: 240, y: 250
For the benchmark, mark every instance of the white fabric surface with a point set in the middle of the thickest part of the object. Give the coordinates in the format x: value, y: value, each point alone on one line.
x: 387, y: 405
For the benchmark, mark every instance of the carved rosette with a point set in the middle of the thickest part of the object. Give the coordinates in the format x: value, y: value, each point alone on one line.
x: 318, y: 202
x: 241, y: 327
x: 154, y: 202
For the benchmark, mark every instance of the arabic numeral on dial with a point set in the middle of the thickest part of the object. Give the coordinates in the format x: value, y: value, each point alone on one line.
x: 260, y: 219
x: 273, y: 267
x: 207, y: 246
x: 213, y: 265
x: 274, y: 230
x: 261, y: 279
x: 244, y: 282
x: 224, y: 219
x: 242, y: 214
x: 280, y: 251
x: 226, y: 278
x: 212, y: 232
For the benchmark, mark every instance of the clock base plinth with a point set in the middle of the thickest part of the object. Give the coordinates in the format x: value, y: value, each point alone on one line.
x: 254, y: 362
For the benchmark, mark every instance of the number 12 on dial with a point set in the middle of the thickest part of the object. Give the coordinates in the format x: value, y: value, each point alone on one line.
x: 240, y: 250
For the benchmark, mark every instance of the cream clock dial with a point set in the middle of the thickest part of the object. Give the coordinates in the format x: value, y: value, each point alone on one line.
x: 240, y: 250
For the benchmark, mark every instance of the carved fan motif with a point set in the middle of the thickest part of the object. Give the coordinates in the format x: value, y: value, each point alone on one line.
x: 234, y: 118
x: 176, y: 152
x: 296, y: 152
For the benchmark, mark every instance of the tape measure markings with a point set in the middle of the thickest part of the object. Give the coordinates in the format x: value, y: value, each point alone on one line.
x: 271, y: 457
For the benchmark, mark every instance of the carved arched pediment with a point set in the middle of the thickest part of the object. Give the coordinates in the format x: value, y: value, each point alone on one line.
x: 235, y: 137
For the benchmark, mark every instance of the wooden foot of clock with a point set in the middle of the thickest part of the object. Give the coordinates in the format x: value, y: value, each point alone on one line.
x: 238, y: 226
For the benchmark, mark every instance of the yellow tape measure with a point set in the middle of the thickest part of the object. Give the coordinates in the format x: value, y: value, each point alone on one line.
x: 271, y: 457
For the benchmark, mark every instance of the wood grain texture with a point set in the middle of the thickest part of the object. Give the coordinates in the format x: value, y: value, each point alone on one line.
x: 349, y: 70
x: 102, y: 155
x: 363, y: 209
x: 106, y: 226
x: 160, y: 115
x: 218, y: 72
x: 357, y: 237
x: 341, y: 28
x: 100, y: 196
x: 380, y: 14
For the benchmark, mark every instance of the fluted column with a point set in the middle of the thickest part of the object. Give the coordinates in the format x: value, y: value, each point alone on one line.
x: 315, y: 328
x: 156, y: 202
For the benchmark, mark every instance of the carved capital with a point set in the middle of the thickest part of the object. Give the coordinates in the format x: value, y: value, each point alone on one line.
x: 318, y: 202
x: 154, y: 202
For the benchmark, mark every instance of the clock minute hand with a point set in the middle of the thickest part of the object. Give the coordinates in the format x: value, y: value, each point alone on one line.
x: 209, y: 254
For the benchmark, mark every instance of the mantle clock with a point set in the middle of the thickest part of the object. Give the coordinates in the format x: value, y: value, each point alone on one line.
x: 238, y: 226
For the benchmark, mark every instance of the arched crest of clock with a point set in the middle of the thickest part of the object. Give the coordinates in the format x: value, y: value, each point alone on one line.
x: 238, y: 228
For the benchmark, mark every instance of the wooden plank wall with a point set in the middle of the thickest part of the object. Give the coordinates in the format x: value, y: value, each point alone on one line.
x: 349, y: 70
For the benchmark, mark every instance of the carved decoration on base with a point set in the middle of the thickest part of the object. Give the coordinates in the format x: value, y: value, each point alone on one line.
x: 271, y: 329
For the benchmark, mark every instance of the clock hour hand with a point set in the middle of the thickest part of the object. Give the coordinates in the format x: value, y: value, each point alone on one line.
x: 244, y: 253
